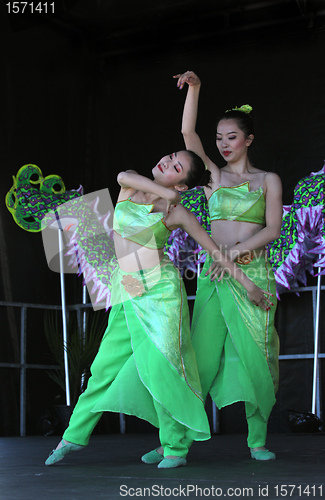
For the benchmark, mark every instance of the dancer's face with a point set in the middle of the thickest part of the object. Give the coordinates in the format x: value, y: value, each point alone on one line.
x: 231, y: 140
x: 172, y: 170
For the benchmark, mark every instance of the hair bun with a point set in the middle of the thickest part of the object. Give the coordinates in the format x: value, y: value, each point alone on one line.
x: 245, y: 108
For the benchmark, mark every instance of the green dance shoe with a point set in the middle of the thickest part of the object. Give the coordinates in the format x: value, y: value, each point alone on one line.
x: 171, y: 463
x: 263, y: 455
x: 152, y: 457
x: 59, y: 453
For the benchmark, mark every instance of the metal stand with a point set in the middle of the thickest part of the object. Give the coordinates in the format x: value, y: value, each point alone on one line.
x: 64, y: 320
x: 316, y: 382
x: 83, y: 328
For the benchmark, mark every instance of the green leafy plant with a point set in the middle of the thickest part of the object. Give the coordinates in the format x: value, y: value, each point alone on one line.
x: 82, y: 346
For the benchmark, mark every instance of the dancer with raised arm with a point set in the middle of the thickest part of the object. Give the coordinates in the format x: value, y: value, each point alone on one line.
x: 146, y: 364
x: 235, y: 342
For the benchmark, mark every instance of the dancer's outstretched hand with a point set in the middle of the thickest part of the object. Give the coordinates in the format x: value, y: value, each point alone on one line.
x: 188, y: 77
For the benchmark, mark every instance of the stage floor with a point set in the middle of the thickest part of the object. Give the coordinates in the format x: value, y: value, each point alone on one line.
x: 110, y: 468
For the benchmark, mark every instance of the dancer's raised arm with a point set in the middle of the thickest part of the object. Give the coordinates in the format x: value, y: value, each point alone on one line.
x: 131, y: 180
x: 191, y: 138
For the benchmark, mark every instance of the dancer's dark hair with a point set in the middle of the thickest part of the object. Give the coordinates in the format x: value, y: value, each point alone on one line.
x: 198, y: 175
x: 244, y: 120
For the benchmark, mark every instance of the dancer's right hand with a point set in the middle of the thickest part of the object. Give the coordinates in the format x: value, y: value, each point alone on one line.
x: 173, y: 200
x: 216, y: 271
x: 188, y: 77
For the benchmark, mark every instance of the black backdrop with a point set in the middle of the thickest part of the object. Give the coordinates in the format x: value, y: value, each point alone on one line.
x: 85, y: 117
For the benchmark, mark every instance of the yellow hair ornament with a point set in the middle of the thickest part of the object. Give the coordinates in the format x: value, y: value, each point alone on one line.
x: 245, y: 108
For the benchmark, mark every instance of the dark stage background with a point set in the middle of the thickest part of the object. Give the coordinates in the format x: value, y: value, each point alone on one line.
x: 88, y: 91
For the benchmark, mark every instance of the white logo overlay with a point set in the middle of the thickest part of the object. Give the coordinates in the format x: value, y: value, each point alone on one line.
x: 78, y: 238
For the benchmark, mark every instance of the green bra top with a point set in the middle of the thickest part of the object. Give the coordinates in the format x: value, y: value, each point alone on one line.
x: 136, y: 222
x: 238, y: 203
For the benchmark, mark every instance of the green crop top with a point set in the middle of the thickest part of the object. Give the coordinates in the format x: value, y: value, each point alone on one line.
x: 136, y: 222
x: 238, y: 203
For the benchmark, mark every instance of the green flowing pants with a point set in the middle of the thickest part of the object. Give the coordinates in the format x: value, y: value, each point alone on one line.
x: 236, y: 346
x: 146, y: 367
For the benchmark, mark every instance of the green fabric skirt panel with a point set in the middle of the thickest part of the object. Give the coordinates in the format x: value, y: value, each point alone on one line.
x: 248, y: 369
x: 163, y: 366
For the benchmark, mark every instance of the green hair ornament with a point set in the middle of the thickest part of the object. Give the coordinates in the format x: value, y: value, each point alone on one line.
x: 245, y: 108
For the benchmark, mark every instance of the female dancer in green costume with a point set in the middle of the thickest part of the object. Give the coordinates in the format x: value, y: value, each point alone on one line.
x: 146, y: 364
x: 236, y: 344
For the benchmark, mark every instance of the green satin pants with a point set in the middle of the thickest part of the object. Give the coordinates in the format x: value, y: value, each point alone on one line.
x: 114, y: 352
x: 235, y: 344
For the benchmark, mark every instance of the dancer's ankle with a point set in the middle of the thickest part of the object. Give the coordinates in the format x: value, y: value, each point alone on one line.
x: 62, y: 443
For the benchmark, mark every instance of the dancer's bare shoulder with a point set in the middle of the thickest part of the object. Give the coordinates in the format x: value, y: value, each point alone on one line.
x: 272, y: 180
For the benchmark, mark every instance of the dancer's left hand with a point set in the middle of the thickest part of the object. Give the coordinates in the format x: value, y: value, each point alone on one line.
x: 260, y: 297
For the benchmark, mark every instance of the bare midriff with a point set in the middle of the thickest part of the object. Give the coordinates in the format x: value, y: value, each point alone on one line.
x: 133, y: 257
x: 227, y: 234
